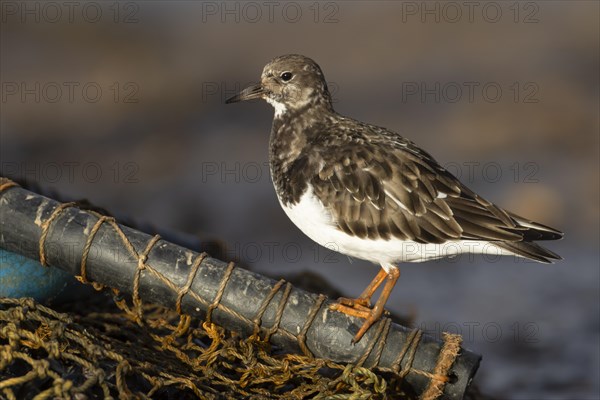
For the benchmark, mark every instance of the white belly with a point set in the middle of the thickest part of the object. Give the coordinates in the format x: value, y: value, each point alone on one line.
x: 315, y: 221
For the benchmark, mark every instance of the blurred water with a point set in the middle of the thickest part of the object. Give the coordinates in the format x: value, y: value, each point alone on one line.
x: 160, y: 146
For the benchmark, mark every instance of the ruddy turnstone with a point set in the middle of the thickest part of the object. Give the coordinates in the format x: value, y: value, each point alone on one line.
x: 372, y: 194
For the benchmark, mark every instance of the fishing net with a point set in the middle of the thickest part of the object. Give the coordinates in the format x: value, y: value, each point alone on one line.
x: 102, y: 351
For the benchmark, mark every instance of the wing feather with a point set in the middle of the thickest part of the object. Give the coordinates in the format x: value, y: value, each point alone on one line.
x: 399, y: 191
x: 382, y: 186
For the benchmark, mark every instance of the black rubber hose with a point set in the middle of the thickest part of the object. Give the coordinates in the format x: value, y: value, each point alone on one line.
x: 303, y: 318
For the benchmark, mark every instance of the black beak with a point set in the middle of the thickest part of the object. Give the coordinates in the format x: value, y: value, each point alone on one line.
x: 250, y: 93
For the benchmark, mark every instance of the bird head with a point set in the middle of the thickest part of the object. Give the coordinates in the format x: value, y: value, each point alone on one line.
x: 289, y: 83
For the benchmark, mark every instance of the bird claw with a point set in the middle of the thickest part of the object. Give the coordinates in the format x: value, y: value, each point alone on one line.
x: 358, y: 308
x: 361, y: 307
x: 355, y: 303
x: 355, y: 310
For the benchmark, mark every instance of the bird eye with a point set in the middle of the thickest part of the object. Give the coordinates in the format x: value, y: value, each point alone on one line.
x: 286, y: 76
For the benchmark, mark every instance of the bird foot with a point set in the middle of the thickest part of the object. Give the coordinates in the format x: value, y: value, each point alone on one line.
x: 351, y: 307
x: 358, y: 303
x: 358, y: 308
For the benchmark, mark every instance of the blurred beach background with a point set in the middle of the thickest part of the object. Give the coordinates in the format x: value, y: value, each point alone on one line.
x: 123, y: 104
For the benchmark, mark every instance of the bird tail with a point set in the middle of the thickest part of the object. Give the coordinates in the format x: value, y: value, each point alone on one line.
x: 535, y: 231
x: 532, y: 231
x: 530, y: 250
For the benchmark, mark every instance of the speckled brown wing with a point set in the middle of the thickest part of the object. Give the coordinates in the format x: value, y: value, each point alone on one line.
x: 400, y: 191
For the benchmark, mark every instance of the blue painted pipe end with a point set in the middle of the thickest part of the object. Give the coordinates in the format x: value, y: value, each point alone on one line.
x: 23, y: 277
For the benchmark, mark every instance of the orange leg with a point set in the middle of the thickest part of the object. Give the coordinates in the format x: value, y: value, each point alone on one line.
x: 360, y: 307
x: 375, y: 283
x: 364, y: 300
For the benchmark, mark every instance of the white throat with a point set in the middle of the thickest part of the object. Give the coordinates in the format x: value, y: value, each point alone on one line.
x: 280, y: 108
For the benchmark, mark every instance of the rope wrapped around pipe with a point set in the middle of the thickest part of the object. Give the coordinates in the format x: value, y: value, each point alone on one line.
x: 100, y: 251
